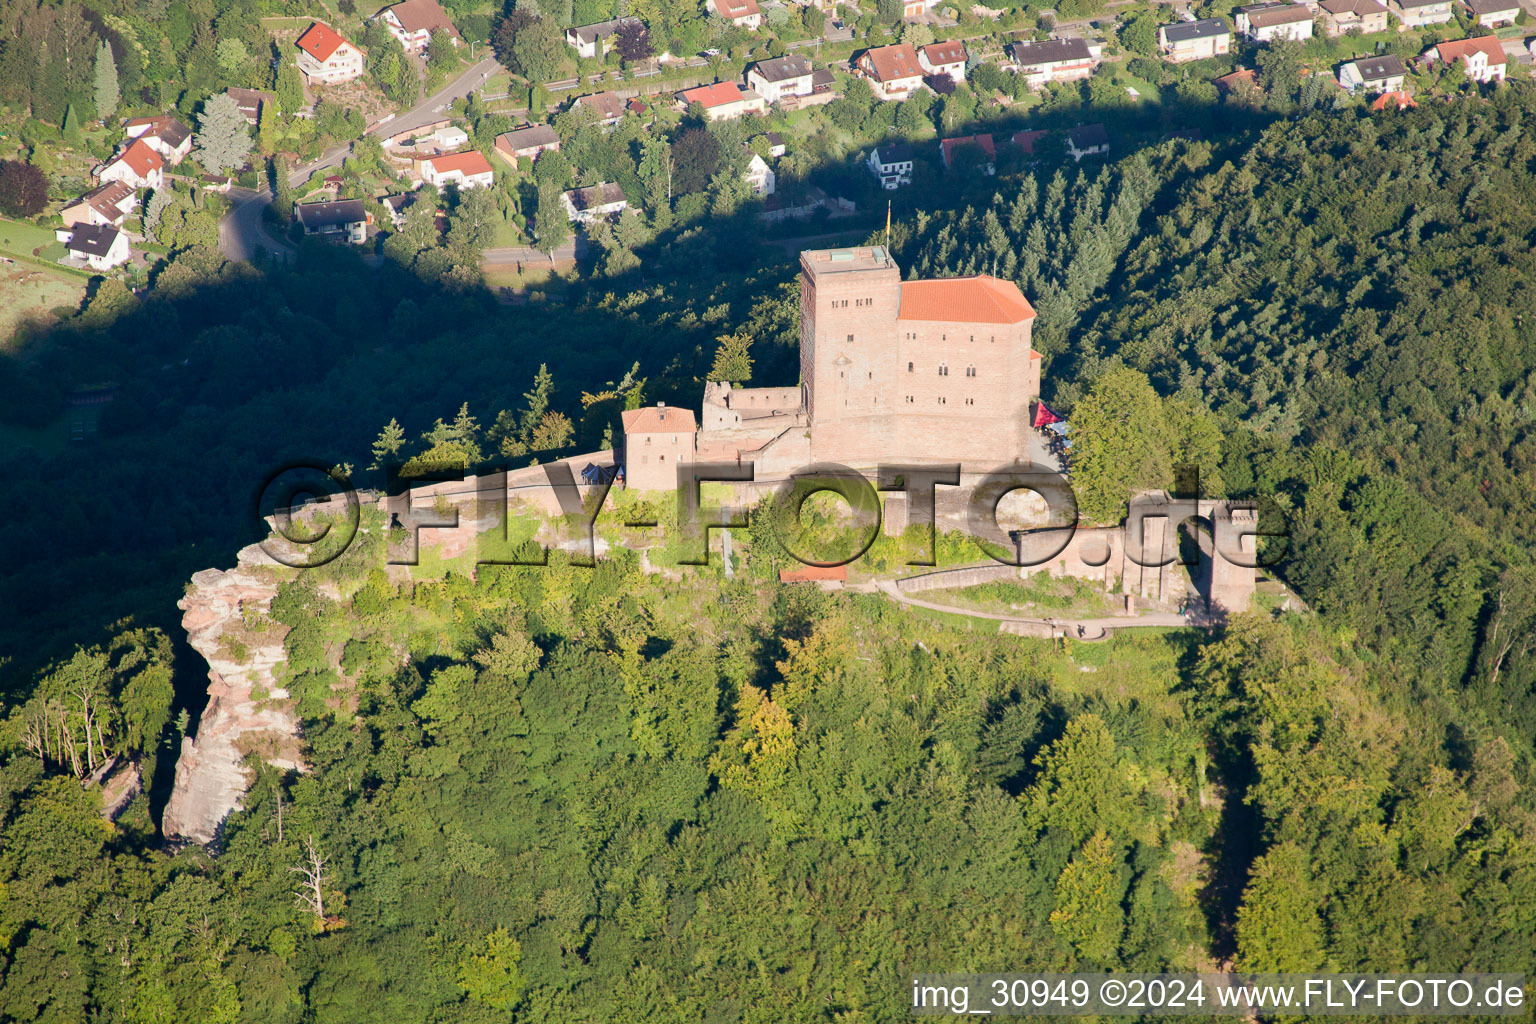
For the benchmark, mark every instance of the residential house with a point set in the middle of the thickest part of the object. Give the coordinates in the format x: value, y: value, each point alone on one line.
x: 138, y: 166
x: 893, y: 71
x: 724, y: 100
x: 915, y: 9
x: 163, y: 134
x: 946, y: 59
x: 891, y: 162
x: 1027, y: 139
x: 1267, y: 22
x: 1238, y: 81
x: 445, y: 139
x: 599, y: 202
x: 526, y: 143
x: 980, y: 145
x: 607, y: 106
x: 414, y: 21
x: 657, y: 439
x: 741, y: 13
x: 104, y: 205
x: 1492, y: 13
x: 250, y: 103
x: 595, y: 40
x: 396, y: 206
x: 1482, y: 58
x: 98, y: 246
x: 340, y: 219
x: 776, y: 147
x: 466, y: 170
x: 1054, y: 60
x: 1342, y: 16
x: 1380, y: 74
x: 326, y: 58
x: 1088, y: 140
x: 1393, y: 100
x: 760, y: 176
x: 781, y: 78
x: 1417, y: 13
x: 1184, y: 41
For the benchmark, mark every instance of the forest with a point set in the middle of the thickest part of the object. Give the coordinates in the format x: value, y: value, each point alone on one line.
x: 556, y: 793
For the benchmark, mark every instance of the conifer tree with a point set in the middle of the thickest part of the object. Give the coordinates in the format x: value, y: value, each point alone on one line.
x: 107, y: 94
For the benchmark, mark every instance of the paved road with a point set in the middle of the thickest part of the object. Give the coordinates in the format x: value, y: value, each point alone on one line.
x: 242, y: 234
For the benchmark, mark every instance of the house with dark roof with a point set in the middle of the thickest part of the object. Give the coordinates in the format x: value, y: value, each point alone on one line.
x: 1341, y: 16
x: 97, y: 246
x: 1087, y: 140
x: 106, y: 205
x: 326, y: 58
x: 344, y: 220
x: 1418, y: 13
x: 894, y: 72
x: 891, y: 162
x: 1184, y: 41
x: 780, y: 78
x: 1054, y: 60
x: 1373, y: 75
x: 414, y: 21
x: 607, y: 106
x: 250, y: 103
x: 1492, y: 13
x: 526, y: 143
x: 597, y: 202
x: 1266, y: 22
x: 594, y: 41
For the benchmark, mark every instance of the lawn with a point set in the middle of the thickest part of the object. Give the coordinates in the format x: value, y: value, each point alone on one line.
x: 29, y: 292
x: 18, y: 238
x: 533, y: 275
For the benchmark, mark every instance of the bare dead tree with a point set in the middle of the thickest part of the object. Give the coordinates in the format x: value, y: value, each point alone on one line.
x: 311, y: 892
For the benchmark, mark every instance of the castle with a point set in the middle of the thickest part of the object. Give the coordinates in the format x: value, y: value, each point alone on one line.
x: 934, y: 371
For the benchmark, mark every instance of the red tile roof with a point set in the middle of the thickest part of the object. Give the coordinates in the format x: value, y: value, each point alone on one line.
x: 945, y: 53
x: 891, y: 63
x: 948, y: 146
x: 1027, y: 138
x: 716, y: 95
x: 1397, y: 99
x: 1227, y: 83
x: 734, y: 9
x: 469, y: 163
x: 972, y: 300
x: 140, y: 158
x: 659, y: 419
x: 1458, y: 48
x: 320, y: 41
x: 415, y: 15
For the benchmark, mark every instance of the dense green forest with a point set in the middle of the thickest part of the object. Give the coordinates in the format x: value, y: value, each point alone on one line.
x: 594, y: 794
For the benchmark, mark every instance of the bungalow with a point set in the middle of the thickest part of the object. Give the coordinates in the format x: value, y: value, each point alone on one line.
x: 1493, y: 13
x: 741, y: 13
x: 104, y: 205
x: 724, y: 100
x: 979, y: 145
x: 466, y: 170
x: 1088, y: 140
x: 250, y: 103
x: 326, y: 58
x: 1373, y: 74
x: 163, y: 134
x: 1342, y: 16
x: 414, y: 21
x: 1185, y: 41
x: 781, y: 78
x: 599, y: 202
x: 891, y: 162
x: 607, y: 106
x: 1267, y: 22
x: 946, y: 59
x: 526, y: 143
x: 138, y: 166
x: 760, y: 176
x: 341, y: 219
x: 1054, y: 60
x: 1417, y: 13
x: 445, y: 139
x: 596, y: 40
x: 1482, y: 58
x: 893, y: 71
x: 98, y: 246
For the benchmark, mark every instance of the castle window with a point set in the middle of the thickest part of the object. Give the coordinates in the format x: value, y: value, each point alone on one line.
x: 871, y: 374
x: 970, y: 371
x: 941, y: 400
x: 850, y: 337
x: 943, y: 370
x: 970, y: 401
x: 909, y: 399
x: 909, y: 367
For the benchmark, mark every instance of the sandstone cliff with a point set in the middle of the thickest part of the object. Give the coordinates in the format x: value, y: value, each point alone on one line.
x: 226, y: 622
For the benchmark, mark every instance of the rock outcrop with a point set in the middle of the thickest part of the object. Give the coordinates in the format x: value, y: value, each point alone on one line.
x: 227, y: 623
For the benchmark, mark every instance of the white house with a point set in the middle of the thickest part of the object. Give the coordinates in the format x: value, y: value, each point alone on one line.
x: 104, y: 205
x: 1481, y: 58
x: 414, y: 21
x: 326, y: 58
x: 781, y: 78
x: 595, y: 40
x: 585, y: 205
x: 445, y: 139
x: 760, y: 176
x: 894, y: 72
x: 947, y: 59
x: 138, y: 166
x: 341, y: 218
x: 724, y: 100
x: 891, y: 162
x: 163, y: 134
x: 1267, y: 22
x: 1373, y: 74
x: 1418, y: 13
x: 1088, y: 140
x: 1055, y: 60
x: 466, y: 170
x: 741, y: 13
x: 1185, y: 41
x: 1493, y: 13
x: 98, y: 246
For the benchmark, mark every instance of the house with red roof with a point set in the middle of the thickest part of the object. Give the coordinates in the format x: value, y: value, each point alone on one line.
x: 138, y: 166
x: 741, y: 13
x: 724, y: 100
x: 946, y: 59
x: 980, y: 147
x: 894, y: 72
x: 466, y: 170
x: 164, y: 134
x: 414, y: 21
x: 1482, y: 58
x: 657, y: 439
x: 326, y: 58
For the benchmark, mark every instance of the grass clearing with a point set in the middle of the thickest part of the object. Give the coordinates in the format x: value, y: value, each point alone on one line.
x: 29, y: 292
